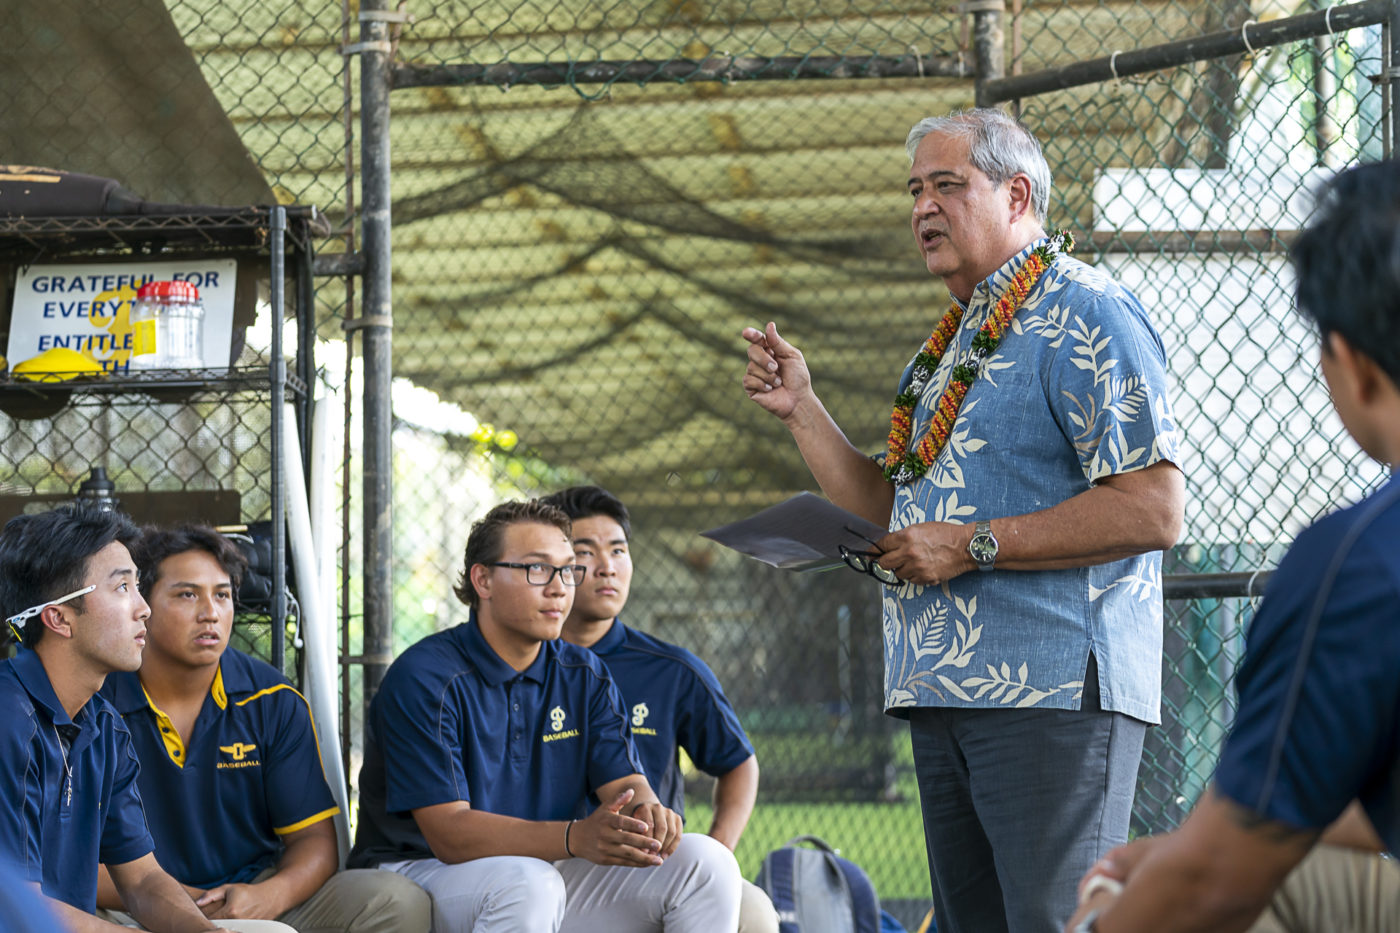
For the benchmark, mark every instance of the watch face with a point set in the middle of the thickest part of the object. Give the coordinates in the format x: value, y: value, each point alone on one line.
x: 983, y: 548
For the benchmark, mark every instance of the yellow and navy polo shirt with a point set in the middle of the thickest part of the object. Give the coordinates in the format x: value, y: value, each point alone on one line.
x: 251, y: 773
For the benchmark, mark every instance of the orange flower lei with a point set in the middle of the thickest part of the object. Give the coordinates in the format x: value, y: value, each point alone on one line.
x: 903, y: 465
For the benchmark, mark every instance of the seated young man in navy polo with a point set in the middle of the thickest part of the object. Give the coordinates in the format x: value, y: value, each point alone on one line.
x: 1318, y: 722
x: 68, y: 782
x: 231, y: 776
x: 673, y: 698
x: 485, y: 740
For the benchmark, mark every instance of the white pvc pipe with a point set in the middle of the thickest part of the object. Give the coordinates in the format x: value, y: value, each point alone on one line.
x: 318, y: 629
x: 325, y: 529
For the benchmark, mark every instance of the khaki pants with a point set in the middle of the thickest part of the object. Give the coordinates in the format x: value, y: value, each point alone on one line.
x: 756, y: 912
x: 356, y: 901
x: 1336, y: 890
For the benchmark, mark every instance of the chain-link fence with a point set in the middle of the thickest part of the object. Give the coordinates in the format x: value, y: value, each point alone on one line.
x: 591, y: 200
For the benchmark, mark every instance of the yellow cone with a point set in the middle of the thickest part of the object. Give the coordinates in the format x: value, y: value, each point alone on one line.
x: 57, y: 365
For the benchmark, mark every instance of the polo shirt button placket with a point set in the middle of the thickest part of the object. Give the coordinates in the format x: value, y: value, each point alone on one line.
x: 515, y: 732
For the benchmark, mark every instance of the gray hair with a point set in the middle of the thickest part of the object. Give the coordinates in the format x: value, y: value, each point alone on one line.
x: 999, y: 147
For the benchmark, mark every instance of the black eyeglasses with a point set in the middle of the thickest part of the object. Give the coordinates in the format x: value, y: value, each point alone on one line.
x: 867, y: 561
x: 541, y: 574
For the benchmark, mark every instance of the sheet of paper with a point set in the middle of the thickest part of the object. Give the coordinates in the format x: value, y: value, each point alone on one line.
x: 801, y: 533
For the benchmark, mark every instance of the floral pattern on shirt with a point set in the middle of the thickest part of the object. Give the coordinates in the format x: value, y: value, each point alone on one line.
x: 1075, y: 392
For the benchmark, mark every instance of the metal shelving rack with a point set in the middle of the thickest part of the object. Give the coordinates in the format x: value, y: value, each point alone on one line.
x: 275, y: 235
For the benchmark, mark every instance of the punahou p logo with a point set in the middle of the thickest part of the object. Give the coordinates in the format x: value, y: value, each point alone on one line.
x: 238, y: 750
x: 639, y: 715
x: 556, y: 718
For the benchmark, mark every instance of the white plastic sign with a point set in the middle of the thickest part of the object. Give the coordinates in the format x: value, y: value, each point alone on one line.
x: 86, y: 308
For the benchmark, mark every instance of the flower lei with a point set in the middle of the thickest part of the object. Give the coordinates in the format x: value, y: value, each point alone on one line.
x: 902, y: 464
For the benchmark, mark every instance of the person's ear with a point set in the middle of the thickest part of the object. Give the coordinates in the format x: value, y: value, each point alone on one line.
x: 1019, y: 193
x: 54, y: 619
x: 1363, y: 376
x: 480, y: 579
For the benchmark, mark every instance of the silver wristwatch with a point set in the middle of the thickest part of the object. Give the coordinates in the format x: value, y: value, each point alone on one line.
x: 983, y: 546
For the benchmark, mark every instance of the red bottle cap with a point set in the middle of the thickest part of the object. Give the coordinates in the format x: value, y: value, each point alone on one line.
x: 168, y: 290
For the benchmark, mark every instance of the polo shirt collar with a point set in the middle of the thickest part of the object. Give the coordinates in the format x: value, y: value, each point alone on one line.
x: 488, y: 663
x: 35, y: 679
x: 613, y: 640
x: 993, y: 285
x: 128, y: 695
x: 31, y: 673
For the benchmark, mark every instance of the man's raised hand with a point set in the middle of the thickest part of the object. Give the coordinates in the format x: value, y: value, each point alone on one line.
x: 776, y: 378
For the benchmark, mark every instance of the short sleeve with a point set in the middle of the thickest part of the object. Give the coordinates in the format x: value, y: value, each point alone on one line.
x: 419, y: 734
x: 611, y: 754
x: 125, y: 837
x: 1318, y: 702
x: 1107, y: 385
x: 19, y: 824
x: 298, y: 793
x: 709, y: 729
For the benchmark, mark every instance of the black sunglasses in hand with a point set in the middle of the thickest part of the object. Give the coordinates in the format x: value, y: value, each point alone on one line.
x: 867, y: 561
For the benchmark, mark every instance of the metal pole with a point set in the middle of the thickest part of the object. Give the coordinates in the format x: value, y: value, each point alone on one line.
x: 277, y: 240
x: 988, y: 46
x: 1391, y: 78
x: 1245, y: 585
x: 723, y: 68
x: 376, y: 346
x: 306, y: 343
x: 1185, y: 51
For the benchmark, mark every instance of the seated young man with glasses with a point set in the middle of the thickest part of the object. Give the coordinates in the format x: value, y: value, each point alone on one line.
x: 484, y: 740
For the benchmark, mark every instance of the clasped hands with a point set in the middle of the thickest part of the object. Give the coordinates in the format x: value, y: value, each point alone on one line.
x: 638, y: 836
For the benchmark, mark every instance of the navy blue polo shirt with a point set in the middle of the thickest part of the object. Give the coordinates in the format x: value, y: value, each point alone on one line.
x: 251, y: 774
x: 673, y: 700
x: 1319, y: 711
x: 452, y: 721
x: 21, y: 910
x: 57, y: 829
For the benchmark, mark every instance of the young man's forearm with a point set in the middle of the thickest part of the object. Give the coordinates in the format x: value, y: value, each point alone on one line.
x: 735, y: 793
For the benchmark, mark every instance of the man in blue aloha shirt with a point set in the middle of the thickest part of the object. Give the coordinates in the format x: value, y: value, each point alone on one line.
x: 1029, y: 486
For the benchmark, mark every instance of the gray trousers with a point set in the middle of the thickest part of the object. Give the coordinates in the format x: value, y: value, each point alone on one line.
x: 1018, y: 804
x: 696, y: 890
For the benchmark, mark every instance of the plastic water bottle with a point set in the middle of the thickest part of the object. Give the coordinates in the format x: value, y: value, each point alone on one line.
x: 167, y: 327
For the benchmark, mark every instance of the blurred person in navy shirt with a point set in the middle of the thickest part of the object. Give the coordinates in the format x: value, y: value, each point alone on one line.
x: 1314, y: 753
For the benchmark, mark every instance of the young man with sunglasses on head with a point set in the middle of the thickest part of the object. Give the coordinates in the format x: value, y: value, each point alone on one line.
x: 228, y: 752
x: 674, y: 699
x: 485, y: 740
x: 68, y: 590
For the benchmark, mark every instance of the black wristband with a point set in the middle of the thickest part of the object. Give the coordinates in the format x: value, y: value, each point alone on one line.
x: 566, y: 838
